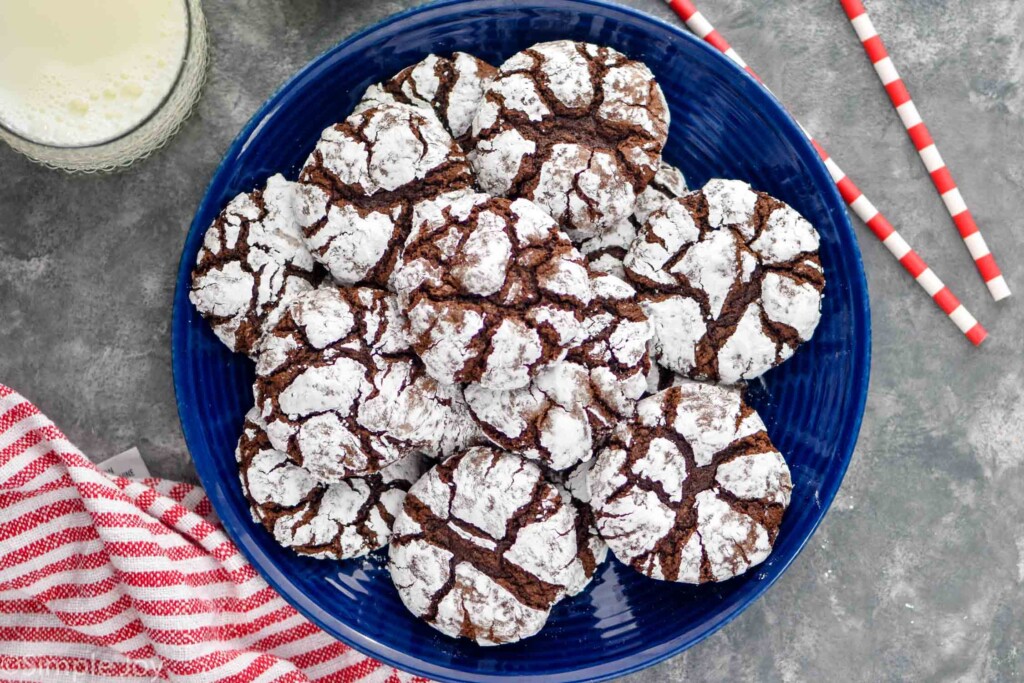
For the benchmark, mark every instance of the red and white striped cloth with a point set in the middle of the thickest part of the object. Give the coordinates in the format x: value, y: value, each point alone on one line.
x: 104, y: 578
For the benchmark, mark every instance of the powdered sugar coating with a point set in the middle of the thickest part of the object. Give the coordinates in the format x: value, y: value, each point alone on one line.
x: 491, y: 288
x: 693, y: 490
x: 449, y: 87
x: 574, y: 127
x: 361, y: 181
x: 251, y: 265
x: 572, y: 405
x: 483, y: 547
x: 342, y: 395
x: 606, y: 251
x: 591, y: 550
x: 326, y: 521
x: 668, y: 183
x: 546, y: 421
x: 731, y: 279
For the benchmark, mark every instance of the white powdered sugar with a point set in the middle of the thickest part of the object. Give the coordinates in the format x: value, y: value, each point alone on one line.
x: 749, y: 351
x: 525, y: 112
x: 515, y: 349
x: 661, y: 514
x: 360, y: 181
x: 785, y: 237
x: 498, y: 160
x: 606, y: 251
x: 713, y: 266
x: 795, y: 304
x: 325, y: 521
x: 666, y: 232
x: 572, y: 404
x: 747, y: 268
x: 351, y: 243
x: 341, y: 394
x: 251, y: 265
x: 492, y: 289
x: 546, y: 421
x: 472, y: 504
x: 633, y: 521
x: 627, y: 101
x: 449, y: 87
x: 737, y: 542
x: 678, y: 326
x: 384, y: 148
x: 668, y: 184
x: 756, y: 476
x: 730, y: 203
x: 565, y: 72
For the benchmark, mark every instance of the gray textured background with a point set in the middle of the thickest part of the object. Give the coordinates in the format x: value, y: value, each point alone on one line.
x: 918, y: 572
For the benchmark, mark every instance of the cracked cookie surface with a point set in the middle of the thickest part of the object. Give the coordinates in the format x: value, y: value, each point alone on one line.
x: 575, y: 127
x: 360, y: 183
x: 731, y: 280
x: 343, y: 396
x: 492, y: 289
x: 326, y: 521
x: 571, y: 406
x: 483, y: 547
x: 693, y: 489
x: 605, y: 252
x: 251, y: 265
x: 591, y: 550
x: 450, y: 87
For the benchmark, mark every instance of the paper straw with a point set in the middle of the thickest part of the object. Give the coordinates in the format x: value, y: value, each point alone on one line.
x: 865, y: 210
x: 926, y: 149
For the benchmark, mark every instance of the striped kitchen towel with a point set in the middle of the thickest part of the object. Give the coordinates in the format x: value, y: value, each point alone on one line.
x: 107, y: 578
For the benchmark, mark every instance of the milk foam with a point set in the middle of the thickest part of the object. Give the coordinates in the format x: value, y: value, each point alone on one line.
x: 80, y: 72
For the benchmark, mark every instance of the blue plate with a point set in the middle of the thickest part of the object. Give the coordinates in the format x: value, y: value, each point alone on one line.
x: 723, y: 124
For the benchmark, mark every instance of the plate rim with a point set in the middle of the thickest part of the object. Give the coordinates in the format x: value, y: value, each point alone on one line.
x: 373, y: 648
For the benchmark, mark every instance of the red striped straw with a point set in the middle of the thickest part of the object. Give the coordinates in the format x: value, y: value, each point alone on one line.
x: 929, y: 153
x: 865, y: 210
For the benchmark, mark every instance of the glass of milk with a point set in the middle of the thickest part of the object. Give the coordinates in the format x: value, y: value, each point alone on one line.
x: 94, y: 85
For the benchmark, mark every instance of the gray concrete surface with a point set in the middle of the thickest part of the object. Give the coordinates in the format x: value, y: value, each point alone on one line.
x: 918, y: 572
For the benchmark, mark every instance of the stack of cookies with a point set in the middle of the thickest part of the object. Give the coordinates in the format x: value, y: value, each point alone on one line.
x: 493, y: 329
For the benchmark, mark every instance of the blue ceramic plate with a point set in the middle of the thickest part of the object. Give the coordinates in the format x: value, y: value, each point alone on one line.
x: 723, y: 124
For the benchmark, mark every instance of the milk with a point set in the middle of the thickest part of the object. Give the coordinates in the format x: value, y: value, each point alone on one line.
x: 81, y: 72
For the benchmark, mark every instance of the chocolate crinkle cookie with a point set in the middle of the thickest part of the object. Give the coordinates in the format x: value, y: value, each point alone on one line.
x: 493, y: 290
x: 693, y: 489
x: 571, y: 406
x: 606, y: 251
x: 591, y: 550
x: 451, y: 87
x: 668, y: 183
x: 342, y: 395
x: 251, y: 265
x: 483, y: 547
x: 575, y: 127
x: 360, y: 183
x: 731, y: 279
x: 326, y: 521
